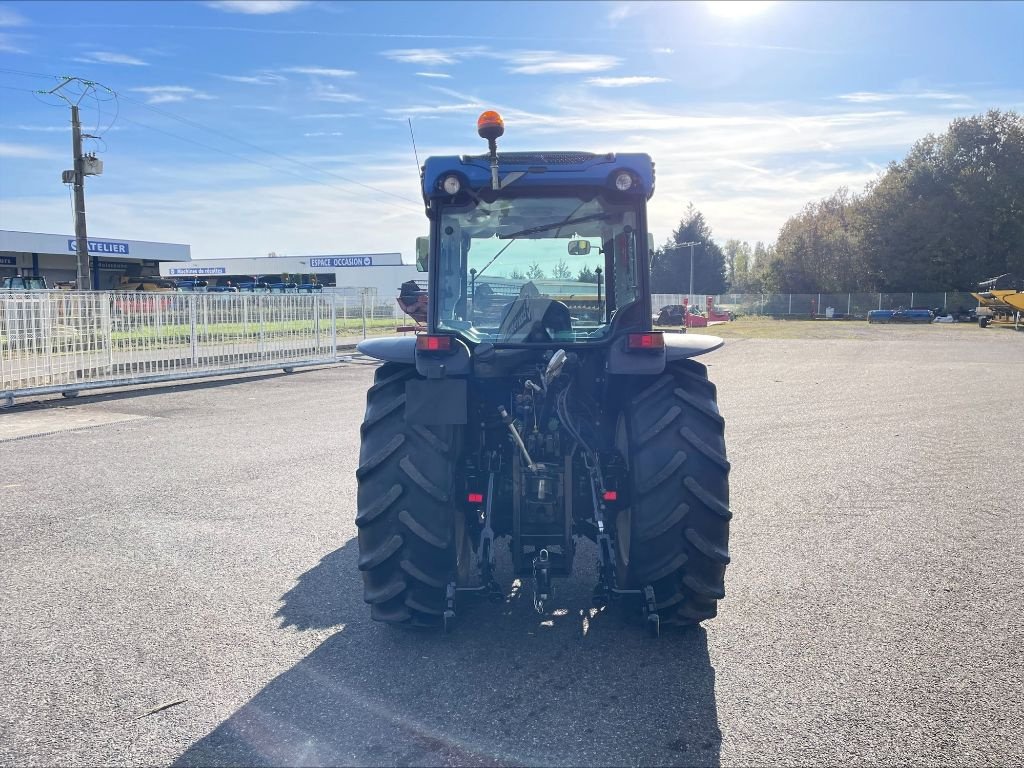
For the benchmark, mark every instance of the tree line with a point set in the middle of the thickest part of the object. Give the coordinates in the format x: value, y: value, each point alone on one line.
x: 947, y: 216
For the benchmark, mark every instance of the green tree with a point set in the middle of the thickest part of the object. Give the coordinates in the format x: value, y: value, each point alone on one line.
x: 535, y: 272
x: 670, y: 265
x: 561, y: 271
x: 515, y: 274
x: 952, y: 212
x: 587, y: 275
x: 818, y: 249
x: 737, y: 264
x: 948, y: 215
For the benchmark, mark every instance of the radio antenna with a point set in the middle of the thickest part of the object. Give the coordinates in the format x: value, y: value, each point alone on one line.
x: 414, y: 152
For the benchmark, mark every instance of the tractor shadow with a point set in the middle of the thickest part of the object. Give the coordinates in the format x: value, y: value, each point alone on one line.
x: 506, y: 687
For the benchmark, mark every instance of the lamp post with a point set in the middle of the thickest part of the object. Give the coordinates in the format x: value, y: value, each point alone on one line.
x: 684, y: 245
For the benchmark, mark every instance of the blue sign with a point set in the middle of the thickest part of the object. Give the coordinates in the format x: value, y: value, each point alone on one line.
x: 100, y: 246
x: 342, y: 261
x: 11, y: 260
x: 197, y: 271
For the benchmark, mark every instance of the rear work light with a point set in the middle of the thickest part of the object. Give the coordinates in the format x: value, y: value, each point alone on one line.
x: 428, y: 343
x: 475, y: 498
x: 611, y: 496
x: 652, y: 341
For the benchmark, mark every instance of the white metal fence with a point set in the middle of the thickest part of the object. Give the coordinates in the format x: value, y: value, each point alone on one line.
x: 853, y: 305
x: 66, y: 341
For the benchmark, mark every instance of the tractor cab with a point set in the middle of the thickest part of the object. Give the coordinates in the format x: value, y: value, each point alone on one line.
x: 537, y: 248
x: 24, y: 283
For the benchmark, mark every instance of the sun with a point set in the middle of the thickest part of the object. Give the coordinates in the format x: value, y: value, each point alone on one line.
x: 738, y: 9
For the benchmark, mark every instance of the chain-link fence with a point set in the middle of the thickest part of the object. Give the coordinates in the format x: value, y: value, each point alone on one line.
x: 836, y: 305
x: 64, y: 341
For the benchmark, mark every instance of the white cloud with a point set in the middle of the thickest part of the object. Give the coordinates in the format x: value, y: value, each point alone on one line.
x: 323, y: 133
x: 332, y: 94
x: 873, y: 97
x: 110, y: 57
x: 866, y: 97
x: 556, y: 62
x: 243, y: 218
x: 44, y: 128
x: 257, y: 7
x: 326, y: 115
x: 26, y: 152
x: 620, y: 82
x: 471, y: 106
x: 432, y: 57
x: 321, y: 71
x: 8, y: 44
x: 442, y: 75
x: 11, y: 18
x: 620, y: 12
x: 738, y: 10
x: 263, y: 78
x: 664, y: 50
x: 165, y: 94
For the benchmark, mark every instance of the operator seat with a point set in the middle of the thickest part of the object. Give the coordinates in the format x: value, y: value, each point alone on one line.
x: 528, y: 320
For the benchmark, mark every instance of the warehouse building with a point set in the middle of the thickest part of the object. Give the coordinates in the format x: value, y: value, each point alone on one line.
x: 381, y: 273
x: 55, y: 257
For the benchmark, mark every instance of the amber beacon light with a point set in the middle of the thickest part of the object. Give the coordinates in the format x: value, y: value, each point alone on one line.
x: 490, y: 126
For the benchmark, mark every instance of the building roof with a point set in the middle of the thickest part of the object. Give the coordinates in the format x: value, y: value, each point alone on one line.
x: 12, y: 241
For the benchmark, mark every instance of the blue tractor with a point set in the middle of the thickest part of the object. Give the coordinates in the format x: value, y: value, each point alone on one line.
x: 539, y: 406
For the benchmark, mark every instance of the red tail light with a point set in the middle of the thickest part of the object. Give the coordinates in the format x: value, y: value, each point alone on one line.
x: 475, y: 498
x: 647, y: 341
x: 611, y: 495
x: 428, y: 343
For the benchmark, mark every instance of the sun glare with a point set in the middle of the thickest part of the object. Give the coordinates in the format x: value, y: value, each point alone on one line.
x: 738, y: 9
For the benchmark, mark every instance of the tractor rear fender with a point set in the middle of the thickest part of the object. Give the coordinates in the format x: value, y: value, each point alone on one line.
x: 683, y: 345
x: 392, y: 349
x: 677, y: 347
x: 431, y: 365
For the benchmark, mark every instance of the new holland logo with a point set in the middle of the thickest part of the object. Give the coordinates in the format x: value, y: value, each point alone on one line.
x: 520, y: 318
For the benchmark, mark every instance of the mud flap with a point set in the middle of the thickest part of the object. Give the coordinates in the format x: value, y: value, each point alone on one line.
x: 435, y: 401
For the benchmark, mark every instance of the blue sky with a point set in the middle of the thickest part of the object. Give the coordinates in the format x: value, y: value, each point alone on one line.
x: 247, y: 127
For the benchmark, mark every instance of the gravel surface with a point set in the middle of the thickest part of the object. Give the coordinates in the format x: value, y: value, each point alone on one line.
x: 194, y: 546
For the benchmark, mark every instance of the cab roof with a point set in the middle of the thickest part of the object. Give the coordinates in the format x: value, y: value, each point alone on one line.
x: 544, y: 170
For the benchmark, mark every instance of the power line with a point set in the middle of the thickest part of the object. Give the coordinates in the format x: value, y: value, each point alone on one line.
x: 267, y: 151
x: 117, y: 96
x: 228, y: 153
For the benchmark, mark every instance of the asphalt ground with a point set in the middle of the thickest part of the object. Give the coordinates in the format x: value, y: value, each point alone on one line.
x: 194, y: 546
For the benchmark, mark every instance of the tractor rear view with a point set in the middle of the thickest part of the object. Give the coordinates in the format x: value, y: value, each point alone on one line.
x: 533, y: 416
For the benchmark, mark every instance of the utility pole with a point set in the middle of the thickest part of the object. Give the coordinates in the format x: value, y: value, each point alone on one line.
x: 81, y: 235
x: 77, y: 178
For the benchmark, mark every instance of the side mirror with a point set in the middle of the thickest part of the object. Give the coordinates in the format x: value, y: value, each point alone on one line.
x: 422, y: 253
x: 579, y: 247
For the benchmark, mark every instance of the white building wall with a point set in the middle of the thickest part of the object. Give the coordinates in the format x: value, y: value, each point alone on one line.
x: 381, y: 272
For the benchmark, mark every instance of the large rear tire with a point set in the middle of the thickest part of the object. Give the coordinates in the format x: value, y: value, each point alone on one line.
x: 409, y: 549
x: 675, y: 533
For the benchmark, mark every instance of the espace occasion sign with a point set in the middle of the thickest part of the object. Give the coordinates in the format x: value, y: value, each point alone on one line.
x: 100, y: 246
x: 342, y: 261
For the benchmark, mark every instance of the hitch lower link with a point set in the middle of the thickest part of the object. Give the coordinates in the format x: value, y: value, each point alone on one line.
x: 489, y: 587
x: 605, y: 591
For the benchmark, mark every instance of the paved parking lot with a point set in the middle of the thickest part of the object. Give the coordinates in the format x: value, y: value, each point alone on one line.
x: 194, y: 546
